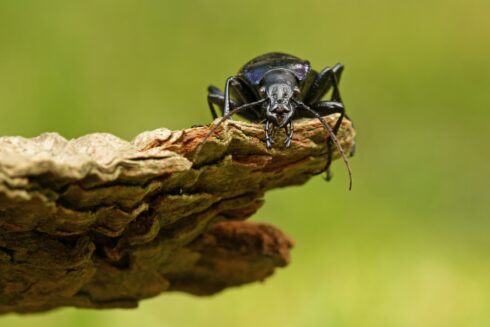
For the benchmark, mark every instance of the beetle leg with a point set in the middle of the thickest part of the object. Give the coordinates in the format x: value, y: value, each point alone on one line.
x: 325, y: 108
x: 215, y: 96
x: 325, y: 79
x: 230, y: 80
x: 289, y: 132
x: 329, y: 107
x: 331, y: 136
x: 269, y: 132
x: 225, y: 103
x: 219, y: 100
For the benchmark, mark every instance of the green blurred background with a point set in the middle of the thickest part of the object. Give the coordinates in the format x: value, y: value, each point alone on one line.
x: 409, y: 246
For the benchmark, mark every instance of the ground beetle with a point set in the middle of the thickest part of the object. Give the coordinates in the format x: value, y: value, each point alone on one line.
x: 277, y: 88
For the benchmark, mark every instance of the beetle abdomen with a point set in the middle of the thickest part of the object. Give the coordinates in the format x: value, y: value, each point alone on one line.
x: 255, y: 69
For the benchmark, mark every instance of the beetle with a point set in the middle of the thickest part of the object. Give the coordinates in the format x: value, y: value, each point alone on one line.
x: 277, y: 88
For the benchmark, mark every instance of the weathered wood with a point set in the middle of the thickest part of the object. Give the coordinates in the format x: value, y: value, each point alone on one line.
x: 100, y: 222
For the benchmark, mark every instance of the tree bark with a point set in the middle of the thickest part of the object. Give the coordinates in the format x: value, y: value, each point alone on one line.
x: 100, y: 222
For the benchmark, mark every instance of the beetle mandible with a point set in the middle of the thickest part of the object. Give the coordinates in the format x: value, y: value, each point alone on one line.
x: 278, y: 88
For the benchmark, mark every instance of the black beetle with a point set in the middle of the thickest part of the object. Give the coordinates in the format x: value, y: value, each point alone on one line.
x: 277, y: 88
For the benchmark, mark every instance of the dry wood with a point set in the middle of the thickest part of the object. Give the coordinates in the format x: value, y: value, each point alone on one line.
x: 101, y: 222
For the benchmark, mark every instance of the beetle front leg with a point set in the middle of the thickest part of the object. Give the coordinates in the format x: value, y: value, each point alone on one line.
x: 269, y: 131
x: 289, y: 134
x: 226, y: 108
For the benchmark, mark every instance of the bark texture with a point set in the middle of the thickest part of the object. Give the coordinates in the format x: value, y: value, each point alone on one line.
x: 100, y: 222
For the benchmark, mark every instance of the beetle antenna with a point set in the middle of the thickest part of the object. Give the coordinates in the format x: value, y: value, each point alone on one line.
x: 225, y: 117
x: 331, y: 135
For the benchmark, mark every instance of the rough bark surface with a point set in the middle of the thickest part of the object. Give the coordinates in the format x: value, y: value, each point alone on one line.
x: 100, y: 222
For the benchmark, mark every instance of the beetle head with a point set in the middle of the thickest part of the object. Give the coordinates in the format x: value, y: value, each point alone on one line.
x: 279, y: 109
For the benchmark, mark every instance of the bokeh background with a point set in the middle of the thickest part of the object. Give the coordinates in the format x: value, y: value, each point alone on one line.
x: 409, y: 246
